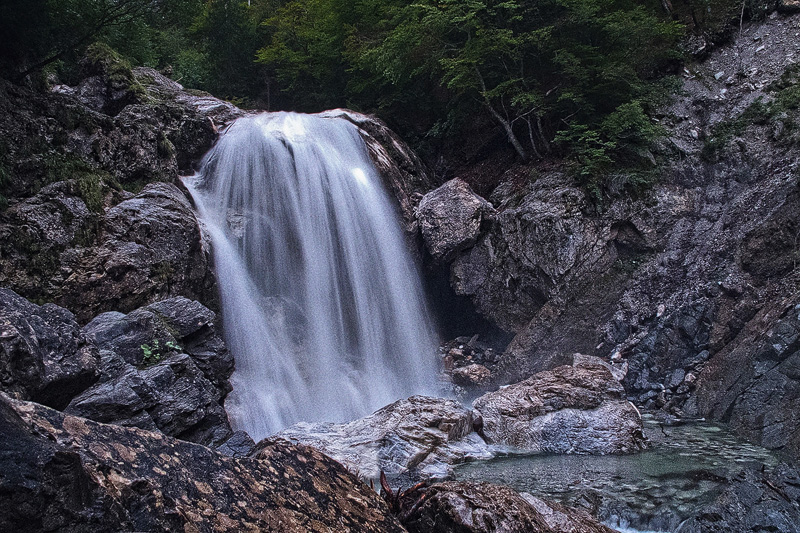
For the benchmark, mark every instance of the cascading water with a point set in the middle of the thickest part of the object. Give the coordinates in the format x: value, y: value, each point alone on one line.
x: 323, y: 307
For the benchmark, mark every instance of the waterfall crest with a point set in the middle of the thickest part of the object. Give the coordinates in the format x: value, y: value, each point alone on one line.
x: 322, y: 304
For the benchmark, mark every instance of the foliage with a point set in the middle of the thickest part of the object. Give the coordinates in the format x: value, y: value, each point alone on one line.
x: 782, y: 111
x: 154, y: 353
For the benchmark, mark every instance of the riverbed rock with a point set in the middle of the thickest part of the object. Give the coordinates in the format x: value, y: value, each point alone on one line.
x: 44, y: 355
x: 451, y: 218
x: 418, y: 437
x: 65, y: 473
x: 570, y: 409
x: 755, y: 500
x: 164, y: 368
x: 458, y: 507
x: 472, y: 376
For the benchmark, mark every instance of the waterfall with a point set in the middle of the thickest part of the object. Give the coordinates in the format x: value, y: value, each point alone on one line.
x: 322, y: 304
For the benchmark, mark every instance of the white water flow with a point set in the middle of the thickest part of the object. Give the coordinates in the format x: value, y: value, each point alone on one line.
x: 322, y: 304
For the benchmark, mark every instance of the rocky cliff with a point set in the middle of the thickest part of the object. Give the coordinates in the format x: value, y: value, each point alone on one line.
x: 694, y: 285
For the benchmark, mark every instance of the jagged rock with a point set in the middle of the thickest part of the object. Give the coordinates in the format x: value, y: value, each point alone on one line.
x: 570, y: 409
x: 44, y: 356
x: 151, y: 248
x: 164, y: 367
x: 66, y: 473
x: 564, y: 519
x: 755, y: 501
x: 753, y: 383
x: 451, y: 217
x: 453, y: 507
x: 421, y: 435
x: 472, y: 376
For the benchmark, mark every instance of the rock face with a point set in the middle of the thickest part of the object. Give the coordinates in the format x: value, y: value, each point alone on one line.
x: 419, y: 436
x: 484, y: 508
x: 698, y: 273
x: 570, y: 409
x: 145, y: 248
x: 164, y: 368
x: 44, y: 356
x: 66, y: 473
x: 73, y: 234
x: 450, y: 219
x: 755, y: 501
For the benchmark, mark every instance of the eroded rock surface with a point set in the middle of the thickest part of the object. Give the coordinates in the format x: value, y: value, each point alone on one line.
x: 420, y: 436
x: 453, y: 507
x: 754, y: 501
x: 65, y: 473
x: 164, y: 368
x: 44, y: 355
x: 450, y: 219
x: 570, y: 409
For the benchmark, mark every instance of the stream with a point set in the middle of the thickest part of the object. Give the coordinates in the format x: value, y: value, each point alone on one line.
x: 654, y: 491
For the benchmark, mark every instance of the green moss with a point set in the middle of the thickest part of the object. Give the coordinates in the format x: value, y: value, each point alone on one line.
x: 104, y: 60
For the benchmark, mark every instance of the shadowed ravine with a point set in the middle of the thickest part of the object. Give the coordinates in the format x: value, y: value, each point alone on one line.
x: 323, y: 307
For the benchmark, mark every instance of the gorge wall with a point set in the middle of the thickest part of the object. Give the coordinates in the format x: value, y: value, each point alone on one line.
x: 694, y: 285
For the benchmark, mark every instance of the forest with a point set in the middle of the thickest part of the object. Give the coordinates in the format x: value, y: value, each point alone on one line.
x: 570, y: 79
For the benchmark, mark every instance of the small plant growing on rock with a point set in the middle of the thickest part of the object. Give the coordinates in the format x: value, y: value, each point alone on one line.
x: 154, y: 353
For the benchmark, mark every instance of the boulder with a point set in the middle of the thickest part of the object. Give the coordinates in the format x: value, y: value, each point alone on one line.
x: 44, y: 355
x: 164, y: 368
x: 419, y: 436
x: 65, y: 473
x: 451, y: 218
x: 472, y: 376
x: 457, y: 507
x: 570, y: 409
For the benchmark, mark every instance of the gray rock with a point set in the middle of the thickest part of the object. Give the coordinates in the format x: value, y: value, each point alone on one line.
x: 450, y: 219
x: 65, y: 473
x: 151, y: 248
x: 454, y: 507
x: 571, y: 409
x: 754, y: 501
x: 164, y: 368
x: 44, y: 356
x: 421, y: 435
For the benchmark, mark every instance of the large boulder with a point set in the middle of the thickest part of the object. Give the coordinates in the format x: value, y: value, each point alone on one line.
x: 419, y: 437
x: 164, y: 368
x: 570, y: 409
x: 451, y: 218
x: 457, y: 507
x: 64, y: 473
x: 44, y: 356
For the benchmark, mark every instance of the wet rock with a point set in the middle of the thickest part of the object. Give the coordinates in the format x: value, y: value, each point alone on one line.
x: 754, y: 382
x: 564, y: 519
x: 164, y: 368
x: 402, y: 170
x: 453, y: 507
x: 44, y: 356
x: 755, y: 500
x: 570, y: 409
x: 472, y: 376
x: 150, y: 248
x: 419, y: 436
x: 66, y: 473
x: 450, y: 219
